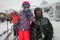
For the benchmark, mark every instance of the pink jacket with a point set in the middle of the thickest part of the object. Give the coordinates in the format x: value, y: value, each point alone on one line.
x: 23, y: 21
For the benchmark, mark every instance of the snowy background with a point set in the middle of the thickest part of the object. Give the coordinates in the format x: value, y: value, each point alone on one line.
x: 16, y: 5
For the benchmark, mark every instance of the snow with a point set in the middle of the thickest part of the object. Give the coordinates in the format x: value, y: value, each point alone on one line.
x: 3, y: 27
x: 56, y: 26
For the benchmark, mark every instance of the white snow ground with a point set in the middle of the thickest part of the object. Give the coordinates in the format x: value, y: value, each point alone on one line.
x: 3, y: 27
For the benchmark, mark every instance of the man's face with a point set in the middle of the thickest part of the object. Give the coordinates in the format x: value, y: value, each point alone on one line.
x: 38, y: 13
x: 26, y: 7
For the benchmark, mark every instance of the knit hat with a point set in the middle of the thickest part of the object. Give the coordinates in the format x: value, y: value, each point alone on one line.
x: 25, y: 3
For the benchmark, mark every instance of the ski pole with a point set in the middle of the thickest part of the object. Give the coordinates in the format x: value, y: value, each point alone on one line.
x: 7, y: 26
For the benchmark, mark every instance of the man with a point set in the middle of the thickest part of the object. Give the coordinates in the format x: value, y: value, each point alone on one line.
x: 41, y: 27
x: 23, y: 21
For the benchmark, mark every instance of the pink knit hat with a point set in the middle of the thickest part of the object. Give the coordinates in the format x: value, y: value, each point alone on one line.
x: 25, y: 3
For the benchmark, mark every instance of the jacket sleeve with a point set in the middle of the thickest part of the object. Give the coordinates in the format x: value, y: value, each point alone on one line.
x: 50, y: 31
x: 50, y: 25
x: 17, y: 22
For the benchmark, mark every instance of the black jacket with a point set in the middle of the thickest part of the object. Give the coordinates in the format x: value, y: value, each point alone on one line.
x: 41, y: 25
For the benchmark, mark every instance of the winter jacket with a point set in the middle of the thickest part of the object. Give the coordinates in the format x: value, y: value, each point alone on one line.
x: 14, y: 19
x: 23, y: 21
x: 41, y: 26
x: 45, y: 27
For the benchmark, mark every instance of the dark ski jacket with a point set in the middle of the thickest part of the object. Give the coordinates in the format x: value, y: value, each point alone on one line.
x: 41, y: 25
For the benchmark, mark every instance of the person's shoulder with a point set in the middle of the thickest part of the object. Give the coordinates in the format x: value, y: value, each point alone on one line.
x: 45, y: 18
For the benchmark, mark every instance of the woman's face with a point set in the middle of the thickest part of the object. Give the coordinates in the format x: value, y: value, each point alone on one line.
x: 38, y: 13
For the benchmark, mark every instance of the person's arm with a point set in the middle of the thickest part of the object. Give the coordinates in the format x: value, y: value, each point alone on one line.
x: 50, y: 25
x: 18, y: 20
x: 50, y: 32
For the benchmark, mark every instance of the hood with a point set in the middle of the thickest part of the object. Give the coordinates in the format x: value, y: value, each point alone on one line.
x: 38, y: 9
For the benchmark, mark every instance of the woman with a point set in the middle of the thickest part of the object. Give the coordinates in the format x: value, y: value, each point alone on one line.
x: 41, y: 29
x: 23, y: 21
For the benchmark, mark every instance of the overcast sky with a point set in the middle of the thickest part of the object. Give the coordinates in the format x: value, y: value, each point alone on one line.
x: 16, y: 4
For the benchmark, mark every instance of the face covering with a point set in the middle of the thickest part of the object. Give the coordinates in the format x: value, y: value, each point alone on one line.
x: 26, y: 15
x: 26, y: 11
